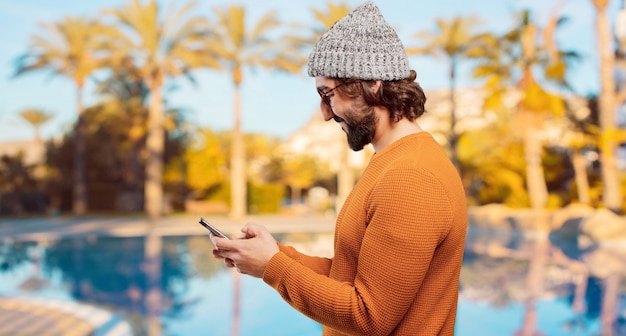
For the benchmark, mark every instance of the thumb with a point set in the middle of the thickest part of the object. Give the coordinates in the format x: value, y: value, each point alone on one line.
x: 252, y: 230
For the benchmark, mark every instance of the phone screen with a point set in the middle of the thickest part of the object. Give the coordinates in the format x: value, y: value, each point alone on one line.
x: 212, y: 228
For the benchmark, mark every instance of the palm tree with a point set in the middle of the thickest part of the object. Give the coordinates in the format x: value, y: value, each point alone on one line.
x: 578, y: 142
x: 36, y: 118
x: 581, y: 135
x: 514, y: 60
x: 162, y: 48
x: 611, y: 195
x: 68, y: 50
x: 123, y: 97
x: 454, y: 40
x: 238, y: 47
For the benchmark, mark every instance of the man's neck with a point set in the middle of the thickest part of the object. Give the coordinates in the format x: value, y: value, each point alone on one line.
x: 387, y: 132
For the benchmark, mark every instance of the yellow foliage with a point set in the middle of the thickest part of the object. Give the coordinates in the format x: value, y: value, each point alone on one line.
x: 300, y: 171
x: 611, y: 135
x: 554, y: 202
x: 479, y: 147
x: 474, y: 145
x: 206, y: 163
x: 174, y: 171
x: 556, y: 70
x: 493, y: 101
x: 536, y: 99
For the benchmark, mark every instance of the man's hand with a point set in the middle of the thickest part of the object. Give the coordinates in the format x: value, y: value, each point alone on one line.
x: 249, y: 255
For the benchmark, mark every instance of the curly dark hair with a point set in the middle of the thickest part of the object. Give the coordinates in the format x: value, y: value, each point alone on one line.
x: 403, y: 98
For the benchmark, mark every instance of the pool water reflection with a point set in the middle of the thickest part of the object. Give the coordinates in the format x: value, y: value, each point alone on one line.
x: 510, y: 285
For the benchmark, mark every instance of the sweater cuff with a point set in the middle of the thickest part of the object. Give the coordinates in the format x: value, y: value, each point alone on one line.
x: 276, y: 269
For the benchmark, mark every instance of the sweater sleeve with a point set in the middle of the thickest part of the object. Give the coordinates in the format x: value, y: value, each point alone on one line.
x: 409, y: 214
x: 318, y: 264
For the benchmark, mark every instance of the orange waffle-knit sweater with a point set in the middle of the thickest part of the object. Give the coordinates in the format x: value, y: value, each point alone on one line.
x: 398, y: 248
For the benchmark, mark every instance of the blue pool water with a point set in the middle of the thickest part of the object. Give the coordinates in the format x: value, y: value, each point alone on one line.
x: 510, y: 285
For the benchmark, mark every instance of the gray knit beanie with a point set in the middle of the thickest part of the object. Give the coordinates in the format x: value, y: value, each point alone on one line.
x: 360, y: 45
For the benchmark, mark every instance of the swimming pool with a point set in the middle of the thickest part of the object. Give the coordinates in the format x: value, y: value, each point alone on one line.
x: 510, y: 285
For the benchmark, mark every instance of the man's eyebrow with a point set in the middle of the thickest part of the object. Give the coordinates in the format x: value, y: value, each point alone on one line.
x: 322, y: 88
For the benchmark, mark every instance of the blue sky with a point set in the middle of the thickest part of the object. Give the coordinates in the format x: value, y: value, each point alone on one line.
x: 272, y: 103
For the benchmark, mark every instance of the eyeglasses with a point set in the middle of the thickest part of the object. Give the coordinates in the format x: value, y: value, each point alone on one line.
x: 326, y: 95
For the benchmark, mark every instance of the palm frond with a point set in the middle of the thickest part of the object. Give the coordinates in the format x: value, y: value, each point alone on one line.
x: 264, y: 25
x: 262, y: 46
x: 172, y: 21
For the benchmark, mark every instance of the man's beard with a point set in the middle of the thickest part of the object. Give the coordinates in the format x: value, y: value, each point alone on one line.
x: 360, y: 132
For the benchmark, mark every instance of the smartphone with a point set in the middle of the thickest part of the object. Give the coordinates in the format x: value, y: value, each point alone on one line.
x: 213, y: 229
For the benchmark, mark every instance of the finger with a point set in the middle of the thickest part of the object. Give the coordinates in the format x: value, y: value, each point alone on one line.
x: 231, y: 255
x: 229, y: 263
x: 216, y: 254
x: 223, y: 244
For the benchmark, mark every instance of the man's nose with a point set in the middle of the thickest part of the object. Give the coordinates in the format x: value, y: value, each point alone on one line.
x: 327, y: 113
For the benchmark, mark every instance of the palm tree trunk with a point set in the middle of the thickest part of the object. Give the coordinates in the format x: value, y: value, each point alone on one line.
x: 38, y: 135
x: 155, y: 143
x: 296, y: 195
x: 238, y: 158
x: 535, y: 179
x: 611, y: 195
x: 79, y: 199
x: 580, y: 174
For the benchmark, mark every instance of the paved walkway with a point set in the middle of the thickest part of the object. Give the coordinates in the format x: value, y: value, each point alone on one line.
x: 22, y: 318
x: 26, y: 316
